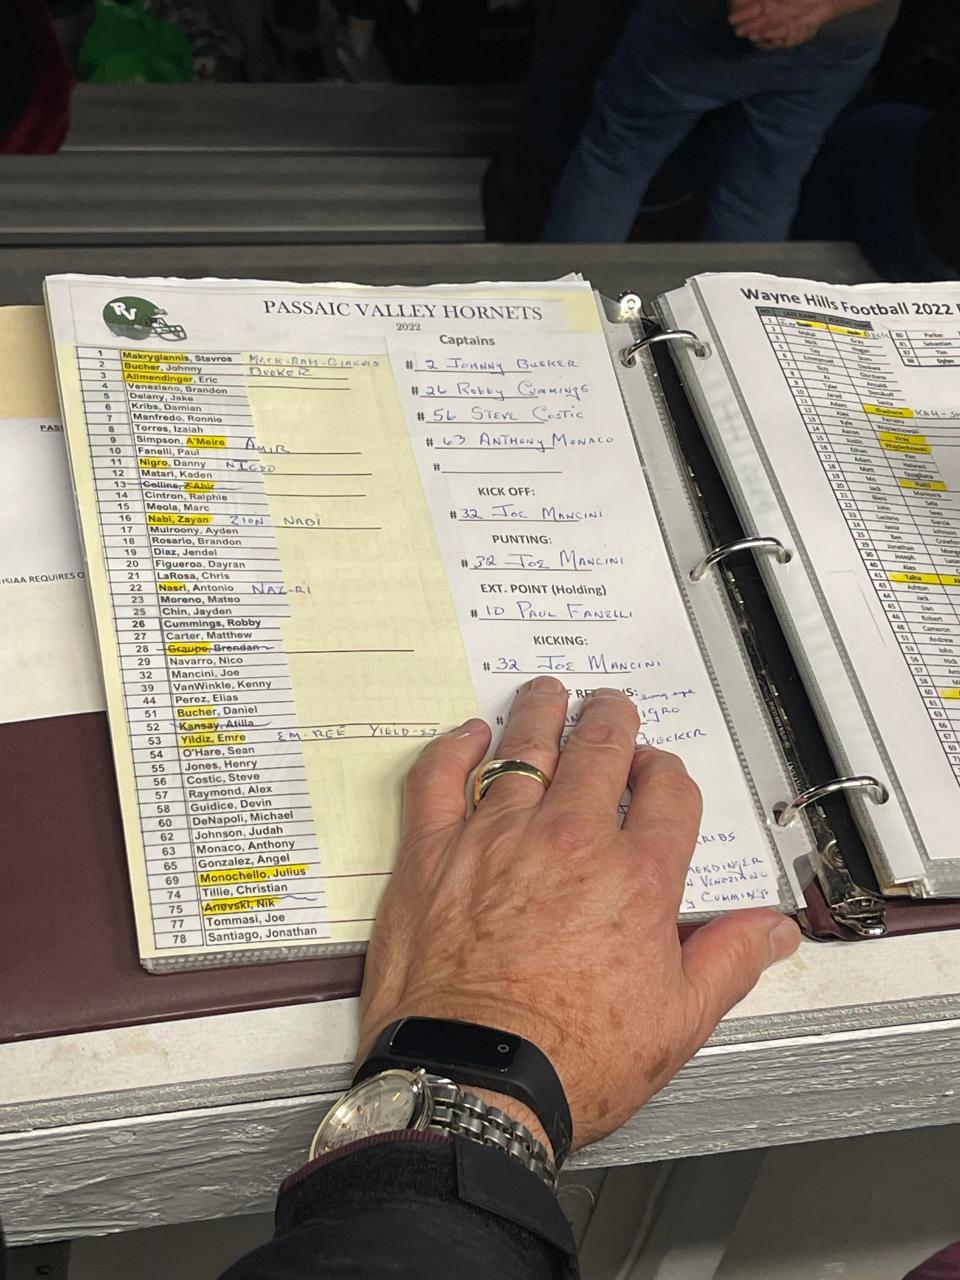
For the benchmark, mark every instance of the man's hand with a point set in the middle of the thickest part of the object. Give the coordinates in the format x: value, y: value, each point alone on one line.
x: 780, y: 24
x: 538, y: 914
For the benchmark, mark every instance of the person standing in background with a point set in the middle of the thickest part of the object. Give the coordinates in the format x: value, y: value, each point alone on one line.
x: 786, y: 68
x: 566, y: 56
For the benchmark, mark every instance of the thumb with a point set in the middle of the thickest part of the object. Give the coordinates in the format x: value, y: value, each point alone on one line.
x: 723, y: 960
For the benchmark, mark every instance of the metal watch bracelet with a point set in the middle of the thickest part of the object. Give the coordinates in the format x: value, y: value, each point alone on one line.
x: 460, y: 1112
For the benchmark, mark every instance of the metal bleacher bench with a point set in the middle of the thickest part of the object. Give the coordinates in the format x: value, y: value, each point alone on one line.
x: 240, y: 163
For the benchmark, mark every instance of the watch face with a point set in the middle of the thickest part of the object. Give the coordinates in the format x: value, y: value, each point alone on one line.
x: 389, y: 1101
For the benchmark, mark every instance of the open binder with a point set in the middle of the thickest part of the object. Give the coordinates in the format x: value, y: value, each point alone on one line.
x: 844, y: 813
x: 732, y: 567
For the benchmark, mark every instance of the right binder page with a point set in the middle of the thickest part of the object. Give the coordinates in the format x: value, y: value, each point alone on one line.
x: 834, y: 414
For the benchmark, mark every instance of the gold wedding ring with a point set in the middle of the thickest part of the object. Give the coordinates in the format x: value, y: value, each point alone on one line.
x: 495, y: 769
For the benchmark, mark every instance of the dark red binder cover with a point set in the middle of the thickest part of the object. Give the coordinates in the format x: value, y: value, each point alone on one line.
x: 68, y: 949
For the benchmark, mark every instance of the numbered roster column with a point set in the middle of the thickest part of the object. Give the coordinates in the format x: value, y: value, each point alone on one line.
x: 148, y: 697
x: 198, y: 602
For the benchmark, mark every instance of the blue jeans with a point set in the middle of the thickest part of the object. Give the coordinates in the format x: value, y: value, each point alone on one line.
x: 663, y: 76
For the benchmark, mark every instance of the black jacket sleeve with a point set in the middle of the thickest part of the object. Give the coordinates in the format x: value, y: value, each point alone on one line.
x: 423, y: 1206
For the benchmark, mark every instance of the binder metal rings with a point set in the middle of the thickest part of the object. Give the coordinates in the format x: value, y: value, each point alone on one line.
x: 786, y: 813
x: 628, y: 355
x: 784, y: 554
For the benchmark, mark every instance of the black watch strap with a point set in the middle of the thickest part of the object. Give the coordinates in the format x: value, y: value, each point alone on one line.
x: 480, y: 1056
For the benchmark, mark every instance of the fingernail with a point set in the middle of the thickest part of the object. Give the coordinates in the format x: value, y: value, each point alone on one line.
x: 667, y: 758
x: 547, y: 684
x: 469, y: 728
x: 784, y: 939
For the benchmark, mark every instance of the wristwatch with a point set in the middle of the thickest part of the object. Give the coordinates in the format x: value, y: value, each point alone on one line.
x: 398, y: 1099
x: 407, y: 1080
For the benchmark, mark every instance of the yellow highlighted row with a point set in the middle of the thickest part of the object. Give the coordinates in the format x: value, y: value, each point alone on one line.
x: 832, y: 328
x: 175, y: 517
x: 952, y: 695
x: 251, y: 875
x: 153, y: 464
x: 221, y: 906
x: 937, y: 486
x: 206, y: 442
x: 931, y: 579
x: 206, y: 739
x: 885, y: 411
x: 187, y: 648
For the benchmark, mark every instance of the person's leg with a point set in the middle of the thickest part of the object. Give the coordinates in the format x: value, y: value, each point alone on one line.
x: 771, y: 147
x: 652, y: 92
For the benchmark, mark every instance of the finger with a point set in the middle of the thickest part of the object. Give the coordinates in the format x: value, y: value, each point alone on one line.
x: 746, y: 12
x: 533, y: 731
x: 664, y: 816
x: 752, y: 29
x: 434, y: 794
x: 723, y: 960
x: 595, y: 763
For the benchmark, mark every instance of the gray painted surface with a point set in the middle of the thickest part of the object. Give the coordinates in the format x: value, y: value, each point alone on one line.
x: 231, y: 197
x: 345, y: 119
x: 647, y: 268
x: 217, y: 1160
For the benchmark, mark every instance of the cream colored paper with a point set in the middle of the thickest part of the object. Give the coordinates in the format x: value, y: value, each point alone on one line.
x: 48, y: 659
x: 374, y: 600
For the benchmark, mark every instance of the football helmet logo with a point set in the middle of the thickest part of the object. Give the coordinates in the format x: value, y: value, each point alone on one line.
x: 137, y: 319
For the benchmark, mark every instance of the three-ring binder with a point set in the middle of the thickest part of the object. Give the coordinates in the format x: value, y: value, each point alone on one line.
x: 784, y: 814
x: 783, y: 554
x: 628, y: 355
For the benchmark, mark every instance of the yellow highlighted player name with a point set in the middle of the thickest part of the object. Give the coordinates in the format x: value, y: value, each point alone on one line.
x: 252, y: 875
x: 206, y: 442
x: 199, y: 726
x: 224, y: 906
x: 153, y: 464
x: 132, y: 374
x: 154, y: 357
x: 900, y: 437
x: 886, y: 411
x: 937, y: 486
x: 187, y: 648
x: 175, y: 517
x: 931, y: 579
x: 171, y: 584
x: 893, y: 446
x: 198, y: 709
x: 832, y: 328
x: 208, y: 739
x: 952, y: 695
x: 207, y: 486
x: 900, y: 442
